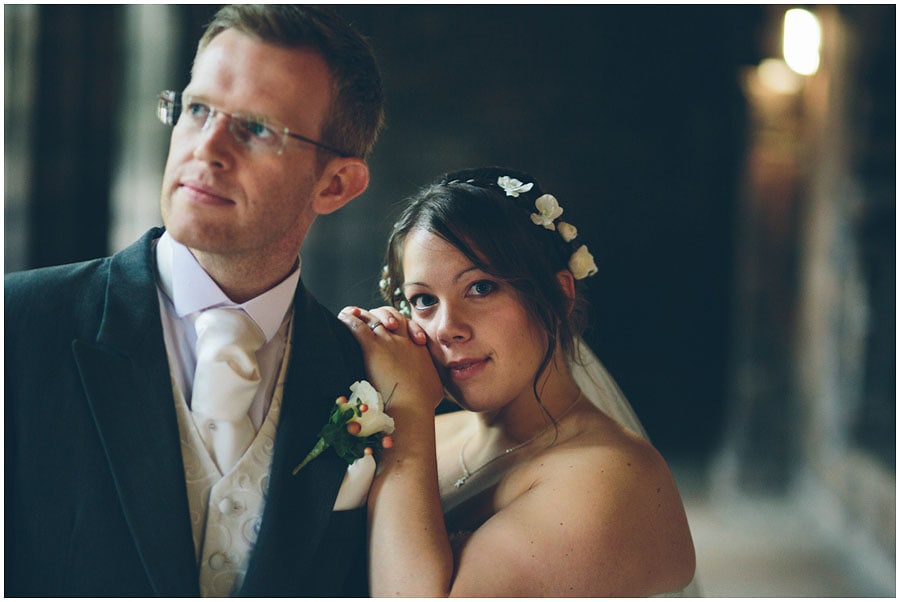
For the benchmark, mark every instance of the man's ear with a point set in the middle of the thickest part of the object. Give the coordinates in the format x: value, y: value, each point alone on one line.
x: 567, y: 283
x: 343, y: 180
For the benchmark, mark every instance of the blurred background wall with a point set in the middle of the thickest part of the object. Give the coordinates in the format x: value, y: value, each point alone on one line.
x: 742, y: 215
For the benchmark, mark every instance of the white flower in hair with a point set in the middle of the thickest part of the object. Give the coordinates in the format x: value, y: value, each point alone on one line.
x: 581, y: 264
x: 549, y: 211
x: 567, y: 231
x: 512, y: 186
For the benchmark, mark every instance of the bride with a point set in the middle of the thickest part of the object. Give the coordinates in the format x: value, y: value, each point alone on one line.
x: 544, y: 483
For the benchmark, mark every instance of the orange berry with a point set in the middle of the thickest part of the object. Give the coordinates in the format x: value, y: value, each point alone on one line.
x: 363, y: 407
x: 354, y: 428
x: 387, y: 442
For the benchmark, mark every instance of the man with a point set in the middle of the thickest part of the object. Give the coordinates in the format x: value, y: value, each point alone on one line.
x: 115, y: 482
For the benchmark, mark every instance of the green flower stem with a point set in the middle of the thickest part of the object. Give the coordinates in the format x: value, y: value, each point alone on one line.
x: 321, y: 445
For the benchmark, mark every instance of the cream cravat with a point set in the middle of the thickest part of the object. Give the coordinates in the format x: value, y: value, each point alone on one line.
x: 225, y: 382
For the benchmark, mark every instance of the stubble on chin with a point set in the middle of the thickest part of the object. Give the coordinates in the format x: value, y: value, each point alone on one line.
x: 193, y: 231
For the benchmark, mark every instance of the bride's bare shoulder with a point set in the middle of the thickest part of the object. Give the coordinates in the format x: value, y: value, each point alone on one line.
x: 594, y: 448
x: 600, y: 454
x: 615, y: 488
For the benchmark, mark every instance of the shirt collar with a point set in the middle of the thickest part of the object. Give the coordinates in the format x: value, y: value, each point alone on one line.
x: 191, y: 289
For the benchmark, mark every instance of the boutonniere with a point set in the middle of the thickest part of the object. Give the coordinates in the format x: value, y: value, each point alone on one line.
x: 357, y: 426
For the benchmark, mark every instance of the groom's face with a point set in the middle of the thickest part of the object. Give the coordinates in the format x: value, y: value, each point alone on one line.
x: 225, y: 197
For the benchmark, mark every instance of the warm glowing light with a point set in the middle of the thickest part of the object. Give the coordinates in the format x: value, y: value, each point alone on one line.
x: 775, y: 75
x: 802, y: 40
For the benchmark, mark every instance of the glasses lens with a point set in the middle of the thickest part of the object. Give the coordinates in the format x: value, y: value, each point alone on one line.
x: 254, y: 132
x: 168, y: 107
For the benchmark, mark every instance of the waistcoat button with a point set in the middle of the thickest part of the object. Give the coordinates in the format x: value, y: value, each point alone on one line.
x: 217, y: 561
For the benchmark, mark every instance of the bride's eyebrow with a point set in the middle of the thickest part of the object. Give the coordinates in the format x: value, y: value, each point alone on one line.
x: 463, y: 273
x: 421, y: 284
x: 456, y: 278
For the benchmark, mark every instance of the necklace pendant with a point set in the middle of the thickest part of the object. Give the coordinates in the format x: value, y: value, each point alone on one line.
x: 461, y: 481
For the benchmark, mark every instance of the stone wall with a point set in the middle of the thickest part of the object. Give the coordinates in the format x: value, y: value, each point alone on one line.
x: 813, y: 409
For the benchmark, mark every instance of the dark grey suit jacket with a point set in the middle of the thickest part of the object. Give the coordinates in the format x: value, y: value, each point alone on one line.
x: 96, y: 503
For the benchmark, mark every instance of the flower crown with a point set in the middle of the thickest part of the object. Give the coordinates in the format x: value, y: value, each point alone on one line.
x: 581, y: 263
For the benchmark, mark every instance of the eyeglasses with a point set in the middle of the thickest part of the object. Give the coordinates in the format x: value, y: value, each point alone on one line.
x: 253, y: 132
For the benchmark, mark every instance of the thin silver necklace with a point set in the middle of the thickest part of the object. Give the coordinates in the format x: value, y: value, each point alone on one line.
x: 466, y: 473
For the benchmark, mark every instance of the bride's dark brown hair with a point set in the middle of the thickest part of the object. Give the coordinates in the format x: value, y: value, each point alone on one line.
x: 494, y: 231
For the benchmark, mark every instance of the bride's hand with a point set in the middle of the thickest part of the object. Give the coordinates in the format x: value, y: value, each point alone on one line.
x: 394, y: 356
x: 394, y: 321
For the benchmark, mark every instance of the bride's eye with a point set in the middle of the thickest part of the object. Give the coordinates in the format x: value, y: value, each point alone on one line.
x: 483, y: 288
x: 422, y: 301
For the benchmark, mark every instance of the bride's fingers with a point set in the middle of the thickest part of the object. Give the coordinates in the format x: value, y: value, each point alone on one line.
x: 356, y: 318
x: 390, y: 317
x: 416, y: 333
x: 375, y: 321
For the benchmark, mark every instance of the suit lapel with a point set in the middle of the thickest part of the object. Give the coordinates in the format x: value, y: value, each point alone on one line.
x: 298, y: 508
x: 126, y: 378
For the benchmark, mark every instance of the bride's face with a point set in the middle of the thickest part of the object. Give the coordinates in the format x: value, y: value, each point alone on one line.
x: 486, y: 347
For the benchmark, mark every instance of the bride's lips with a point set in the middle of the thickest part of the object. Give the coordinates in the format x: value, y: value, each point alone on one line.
x: 201, y: 193
x: 467, y: 368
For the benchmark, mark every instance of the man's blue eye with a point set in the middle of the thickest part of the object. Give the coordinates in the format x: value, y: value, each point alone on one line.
x: 197, y: 110
x: 258, y: 129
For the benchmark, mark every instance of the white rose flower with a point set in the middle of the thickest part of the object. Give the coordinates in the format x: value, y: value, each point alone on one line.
x: 567, y: 231
x: 582, y: 263
x: 366, y: 430
x: 371, y: 416
x: 549, y: 210
x: 512, y: 186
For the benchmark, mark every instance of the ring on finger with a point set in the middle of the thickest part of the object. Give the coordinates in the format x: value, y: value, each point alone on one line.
x: 375, y: 325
